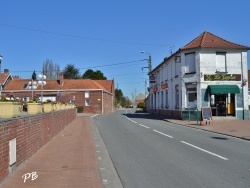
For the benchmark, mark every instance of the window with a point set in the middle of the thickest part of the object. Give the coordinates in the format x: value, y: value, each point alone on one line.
x: 177, y: 96
x: 86, y: 94
x: 162, y: 100
x: 166, y: 100
x: 221, y: 62
x: 87, y: 98
x: 86, y: 102
x: 190, y: 62
x: 191, y: 96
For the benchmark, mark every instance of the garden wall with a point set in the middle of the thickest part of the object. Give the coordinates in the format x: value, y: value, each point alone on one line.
x: 20, y: 138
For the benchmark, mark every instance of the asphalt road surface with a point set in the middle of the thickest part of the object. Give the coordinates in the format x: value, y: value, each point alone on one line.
x: 148, y: 152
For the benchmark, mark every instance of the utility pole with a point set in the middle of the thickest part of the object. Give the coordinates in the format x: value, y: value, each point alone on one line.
x: 149, y: 61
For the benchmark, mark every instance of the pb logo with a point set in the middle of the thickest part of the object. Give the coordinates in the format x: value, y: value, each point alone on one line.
x: 32, y: 176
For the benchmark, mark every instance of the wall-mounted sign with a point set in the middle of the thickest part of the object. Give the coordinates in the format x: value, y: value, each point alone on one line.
x: 222, y: 77
x: 164, y: 86
x: 155, y: 89
x: 152, y: 78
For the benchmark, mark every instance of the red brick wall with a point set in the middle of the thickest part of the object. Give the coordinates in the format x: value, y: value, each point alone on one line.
x: 31, y: 133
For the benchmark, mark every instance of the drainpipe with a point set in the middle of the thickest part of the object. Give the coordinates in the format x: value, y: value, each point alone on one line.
x: 102, y: 101
x: 242, y: 85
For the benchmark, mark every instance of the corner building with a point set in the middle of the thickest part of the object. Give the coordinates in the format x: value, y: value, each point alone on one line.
x: 207, y: 72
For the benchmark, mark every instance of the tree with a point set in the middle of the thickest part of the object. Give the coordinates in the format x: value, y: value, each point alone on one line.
x: 120, y: 100
x: 33, y: 77
x: 93, y: 75
x: 118, y: 96
x: 70, y: 72
x: 51, y: 70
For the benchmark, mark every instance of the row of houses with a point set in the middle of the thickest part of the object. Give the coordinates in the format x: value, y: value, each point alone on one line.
x: 210, y: 72
x: 94, y: 96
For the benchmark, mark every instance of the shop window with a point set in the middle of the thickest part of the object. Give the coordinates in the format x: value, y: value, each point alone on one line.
x: 190, y: 62
x: 177, y: 96
x: 191, y: 96
x: 221, y: 64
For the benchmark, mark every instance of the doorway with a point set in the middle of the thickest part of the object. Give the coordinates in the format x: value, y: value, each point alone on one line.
x: 224, y: 104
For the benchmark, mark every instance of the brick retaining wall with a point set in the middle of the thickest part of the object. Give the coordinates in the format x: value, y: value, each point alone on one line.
x: 31, y: 133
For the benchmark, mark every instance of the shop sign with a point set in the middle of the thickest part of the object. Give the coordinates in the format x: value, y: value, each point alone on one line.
x: 152, y: 78
x: 222, y: 77
x: 164, y: 86
x: 155, y: 89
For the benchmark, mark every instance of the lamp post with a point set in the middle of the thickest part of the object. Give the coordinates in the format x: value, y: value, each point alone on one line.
x: 41, y: 82
x: 32, y: 86
x: 1, y: 57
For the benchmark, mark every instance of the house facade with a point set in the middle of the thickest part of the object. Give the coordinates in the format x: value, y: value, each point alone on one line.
x: 94, y: 96
x: 207, y: 72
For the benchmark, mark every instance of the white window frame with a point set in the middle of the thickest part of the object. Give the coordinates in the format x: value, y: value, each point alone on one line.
x: 221, y: 62
x: 177, y: 94
x: 190, y: 62
x: 191, y: 90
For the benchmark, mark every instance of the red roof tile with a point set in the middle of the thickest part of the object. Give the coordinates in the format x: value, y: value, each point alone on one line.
x: 68, y: 84
x: 209, y: 40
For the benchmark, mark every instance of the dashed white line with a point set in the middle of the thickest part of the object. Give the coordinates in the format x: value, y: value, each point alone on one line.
x: 162, y: 133
x: 144, y: 126
x: 204, y: 150
x: 133, y: 121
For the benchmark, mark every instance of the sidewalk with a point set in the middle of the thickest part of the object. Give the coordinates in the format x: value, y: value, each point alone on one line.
x: 226, y: 126
x: 68, y: 160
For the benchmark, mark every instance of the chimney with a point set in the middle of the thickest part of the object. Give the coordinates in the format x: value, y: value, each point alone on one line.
x: 6, y: 71
x: 60, y: 81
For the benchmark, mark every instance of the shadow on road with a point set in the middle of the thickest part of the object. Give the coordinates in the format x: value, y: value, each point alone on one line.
x: 144, y: 115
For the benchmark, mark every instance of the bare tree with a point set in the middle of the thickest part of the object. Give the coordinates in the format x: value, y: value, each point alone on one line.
x: 51, y: 70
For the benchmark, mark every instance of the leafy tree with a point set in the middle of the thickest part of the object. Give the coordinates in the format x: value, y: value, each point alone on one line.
x: 33, y: 77
x: 93, y: 75
x: 120, y: 100
x: 118, y: 96
x: 51, y: 70
x: 70, y: 72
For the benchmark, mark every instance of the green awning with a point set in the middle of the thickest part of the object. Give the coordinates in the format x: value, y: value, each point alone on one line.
x: 223, y: 89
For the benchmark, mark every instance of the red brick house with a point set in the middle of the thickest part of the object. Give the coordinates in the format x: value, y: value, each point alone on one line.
x: 95, y: 96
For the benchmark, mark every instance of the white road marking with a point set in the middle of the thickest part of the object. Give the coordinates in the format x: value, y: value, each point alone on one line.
x: 94, y: 115
x: 133, y: 121
x: 204, y: 150
x: 162, y: 133
x: 144, y: 126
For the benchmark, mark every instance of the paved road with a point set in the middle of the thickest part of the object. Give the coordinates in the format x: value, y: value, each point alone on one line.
x: 150, y: 153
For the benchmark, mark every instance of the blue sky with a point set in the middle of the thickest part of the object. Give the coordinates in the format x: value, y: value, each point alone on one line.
x: 110, y: 35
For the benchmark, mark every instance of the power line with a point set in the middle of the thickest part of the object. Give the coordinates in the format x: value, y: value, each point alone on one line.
x: 80, y: 37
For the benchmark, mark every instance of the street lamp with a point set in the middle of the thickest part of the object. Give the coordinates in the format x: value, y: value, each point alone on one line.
x: 32, y: 86
x: 149, y: 61
x: 1, y: 57
x: 41, y: 82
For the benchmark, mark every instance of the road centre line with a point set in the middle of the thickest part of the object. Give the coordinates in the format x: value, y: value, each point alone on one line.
x: 133, y: 121
x: 162, y: 133
x: 204, y: 150
x: 144, y: 126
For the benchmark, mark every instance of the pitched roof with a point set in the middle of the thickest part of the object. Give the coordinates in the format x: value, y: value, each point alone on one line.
x: 209, y: 40
x: 21, y: 84
x: 3, y: 77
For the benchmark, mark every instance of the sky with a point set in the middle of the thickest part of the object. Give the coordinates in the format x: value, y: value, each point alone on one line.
x: 110, y: 35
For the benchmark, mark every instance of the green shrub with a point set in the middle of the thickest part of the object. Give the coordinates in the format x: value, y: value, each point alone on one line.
x: 79, y: 109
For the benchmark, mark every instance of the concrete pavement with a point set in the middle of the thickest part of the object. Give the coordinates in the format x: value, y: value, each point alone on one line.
x: 223, y: 125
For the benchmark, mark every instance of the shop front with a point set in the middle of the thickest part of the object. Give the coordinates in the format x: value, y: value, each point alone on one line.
x: 223, y: 99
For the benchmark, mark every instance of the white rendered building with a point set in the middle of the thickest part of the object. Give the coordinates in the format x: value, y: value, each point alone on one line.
x: 207, y: 72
